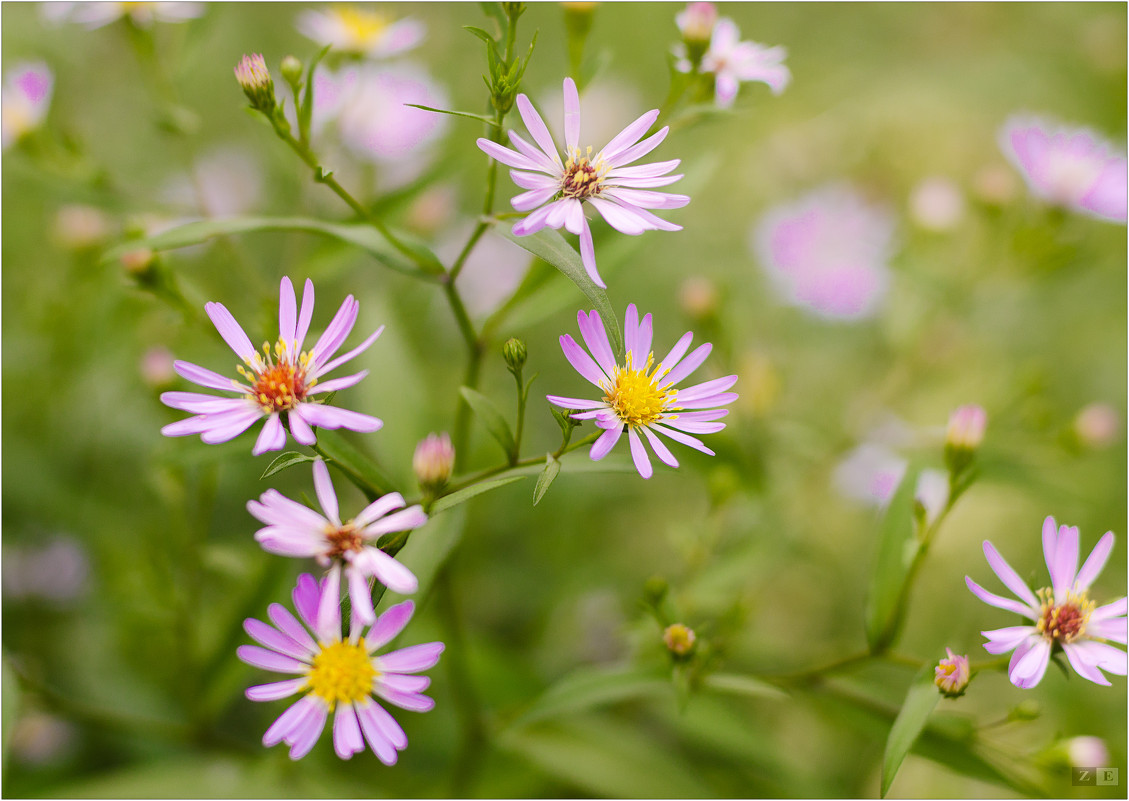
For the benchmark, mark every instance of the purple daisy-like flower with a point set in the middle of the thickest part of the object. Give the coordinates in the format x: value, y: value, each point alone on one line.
x: 337, y: 675
x: 1063, y: 615
x: 1070, y: 167
x: 558, y: 190
x: 283, y: 382
x: 733, y: 62
x: 296, y: 530
x: 641, y: 397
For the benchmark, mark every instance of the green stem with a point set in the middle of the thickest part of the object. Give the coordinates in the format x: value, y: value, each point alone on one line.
x: 533, y: 460
x: 516, y: 452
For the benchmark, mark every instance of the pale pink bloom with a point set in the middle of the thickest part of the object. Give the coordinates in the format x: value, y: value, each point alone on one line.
x: 143, y: 14
x: 78, y: 226
x: 57, y: 572
x: 732, y: 62
x: 696, y: 21
x: 225, y: 182
x: 1063, y: 616
x: 337, y: 675
x: 558, y: 190
x: 966, y: 427
x: 361, y: 31
x: 827, y: 252
x: 951, y: 675
x: 284, y: 381
x: 1097, y: 425
x: 433, y: 460
x: 1087, y: 751
x: 640, y: 397
x: 156, y: 367
x: 871, y: 473
x: 936, y: 203
x: 296, y: 530
x: 25, y: 100
x: 375, y: 122
x: 1070, y: 167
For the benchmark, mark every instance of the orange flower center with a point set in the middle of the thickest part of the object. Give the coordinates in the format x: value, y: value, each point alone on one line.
x: 1063, y: 622
x: 278, y: 382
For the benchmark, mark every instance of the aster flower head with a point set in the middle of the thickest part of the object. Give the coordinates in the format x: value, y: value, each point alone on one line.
x: 733, y: 62
x: 282, y: 381
x: 558, y: 188
x: 142, y: 14
x: 374, y: 120
x: 336, y: 675
x: 827, y: 252
x: 1062, y: 616
x: 641, y: 397
x: 1070, y: 167
x: 25, y: 100
x: 360, y: 31
x: 344, y: 547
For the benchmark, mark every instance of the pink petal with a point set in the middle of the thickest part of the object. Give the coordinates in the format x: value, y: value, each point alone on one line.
x: 1080, y: 660
x: 206, y: 378
x: 327, y: 496
x: 660, y: 449
x: 271, y: 438
x: 347, y: 738
x: 536, y: 127
x: 1003, y: 640
x: 573, y: 403
x: 270, y: 660
x: 639, y: 454
x: 604, y: 443
x: 1008, y: 576
x: 323, y: 416
x: 336, y: 384
x: 328, y: 626
x: 1029, y: 662
x: 337, y: 331
x: 628, y: 136
x: 571, y: 115
x: 230, y: 330
x: 378, y: 508
x: 281, y: 617
x: 391, y: 573
x: 506, y: 156
x: 369, y: 714
x: 340, y: 360
x: 688, y: 365
x: 1094, y: 563
x: 287, y: 312
x: 306, y: 314
x: 388, y: 625
x: 1001, y: 603
x: 595, y: 338
x: 275, y: 640
x: 582, y: 362
x: 411, y: 659
x: 685, y: 439
x: 229, y: 425
x: 1065, y: 566
x: 588, y: 256
x: 307, y: 731
x: 618, y: 217
x: 637, y: 152
x: 285, y: 723
x: 276, y: 690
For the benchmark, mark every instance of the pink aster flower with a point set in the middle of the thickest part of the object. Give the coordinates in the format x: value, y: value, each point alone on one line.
x: 558, y: 190
x: 1070, y: 167
x: 296, y: 530
x: 283, y: 382
x: 641, y: 397
x: 827, y: 252
x: 732, y: 62
x: 1063, y: 617
x: 337, y: 675
x: 25, y: 100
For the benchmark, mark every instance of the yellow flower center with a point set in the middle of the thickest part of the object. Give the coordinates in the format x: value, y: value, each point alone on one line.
x: 1063, y: 622
x: 636, y: 397
x: 581, y: 177
x: 362, y: 26
x: 278, y: 385
x: 342, y: 672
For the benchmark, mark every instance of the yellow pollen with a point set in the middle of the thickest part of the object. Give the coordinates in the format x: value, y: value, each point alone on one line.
x: 362, y: 26
x: 582, y: 178
x: 342, y: 672
x: 278, y: 382
x: 636, y: 397
x: 1063, y: 622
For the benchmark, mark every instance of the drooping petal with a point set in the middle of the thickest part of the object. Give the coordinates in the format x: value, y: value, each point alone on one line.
x: 271, y: 438
x: 1080, y: 660
x: 1029, y: 662
x: 307, y: 730
x: 299, y: 428
x: 347, y: 738
x: 639, y: 454
x: 285, y: 722
x: 588, y: 256
x: 1003, y: 640
x: 604, y: 443
x: 371, y: 716
x: 1106, y: 657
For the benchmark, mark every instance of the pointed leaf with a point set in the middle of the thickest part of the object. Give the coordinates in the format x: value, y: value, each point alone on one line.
x: 288, y: 459
x: 488, y: 413
x: 548, y: 475
x: 466, y: 493
x: 920, y: 701
x: 586, y: 688
x: 480, y: 117
x: 550, y: 246
x: 897, y: 547
x: 736, y: 684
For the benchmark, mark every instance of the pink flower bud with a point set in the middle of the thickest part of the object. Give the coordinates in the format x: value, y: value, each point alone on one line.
x: 966, y: 427
x: 952, y: 674
x: 696, y: 22
x: 433, y: 460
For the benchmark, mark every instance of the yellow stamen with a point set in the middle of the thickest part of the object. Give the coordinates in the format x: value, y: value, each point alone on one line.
x: 635, y: 395
x: 342, y: 672
x: 1063, y: 622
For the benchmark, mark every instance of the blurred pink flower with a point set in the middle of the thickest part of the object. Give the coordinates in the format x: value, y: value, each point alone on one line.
x: 284, y: 382
x: 375, y: 122
x: 25, y: 100
x: 296, y: 530
x: 57, y: 572
x: 1097, y: 425
x: 827, y: 252
x: 951, y: 675
x: 732, y: 62
x: 696, y: 21
x: 336, y: 675
x: 1070, y: 167
x: 557, y: 191
x: 1063, y: 615
x: 640, y: 397
x: 143, y: 14
x: 362, y: 31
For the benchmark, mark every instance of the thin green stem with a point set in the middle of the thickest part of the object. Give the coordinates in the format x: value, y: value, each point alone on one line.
x: 520, y: 417
x: 519, y: 464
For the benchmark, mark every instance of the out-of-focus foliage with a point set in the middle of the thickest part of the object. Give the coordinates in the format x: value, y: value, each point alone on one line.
x: 120, y: 676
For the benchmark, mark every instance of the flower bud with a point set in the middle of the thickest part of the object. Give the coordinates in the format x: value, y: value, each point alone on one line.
x: 156, y: 367
x: 698, y: 297
x: 138, y: 261
x: 963, y: 436
x: 433, y: 460
x: 514, y: 353
x: 952, y: 674
x: 1087, y: 752
x: 1097, y: 425
x: 655, y: 589
x: 696, y: 22
x: 256, y: 82
x: 679, y: 639
x: 291, y: 69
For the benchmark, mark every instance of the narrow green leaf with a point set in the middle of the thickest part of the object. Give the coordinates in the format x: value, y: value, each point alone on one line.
x: 742, y: 685
x: 364, y: 237
x: 479, y: 117
x: 359, y: 468
x: 548, y: 475
x: 550, y: 246
x: 288, y: 459
x: 920, y: 701
x: 306, y: 105
x: 586, y: 688
x: 480, y: 33
x: 465, y: 494
x: 897, y: 547
x: 488, y: 413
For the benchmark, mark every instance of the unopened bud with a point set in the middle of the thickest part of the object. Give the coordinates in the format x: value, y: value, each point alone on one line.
x: 256, y: 82
x: 679, y: 639
x: 952, y: 674
x: 157, y: 367
x: 698, y: 296
x: 696, y: 22
x: 138, y: 261
x: 514, y: 353
x: 291, y: 69
x: 1087, y: 751
x: 433, y: 460
x: 964, y: 435
x: 1097, y: 425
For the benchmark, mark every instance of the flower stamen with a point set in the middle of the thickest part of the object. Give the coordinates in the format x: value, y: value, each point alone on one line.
x: 342, y: 672
x: 582, y: 178
x: 278, y: 382
x: 1063, y: 622
x: 636, y: 397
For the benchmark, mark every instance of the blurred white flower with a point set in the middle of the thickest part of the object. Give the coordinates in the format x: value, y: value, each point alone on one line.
x: 156, y: 367
x: 96, y: 15
x: 870, y: 473
x: 1097, y: 425
x: 362, y: 31
x: 78, y: 226
x: 25, y: 100
x: 56, y: 572
x: 225, y: 182
x: 936, y: 203
x: 827, y: 252
x: 1087, y: 752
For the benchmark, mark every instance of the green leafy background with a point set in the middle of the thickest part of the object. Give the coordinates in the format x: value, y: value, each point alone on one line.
x: 1019, y: 308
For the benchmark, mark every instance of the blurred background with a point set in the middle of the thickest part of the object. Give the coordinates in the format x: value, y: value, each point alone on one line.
x: 128, y: 558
